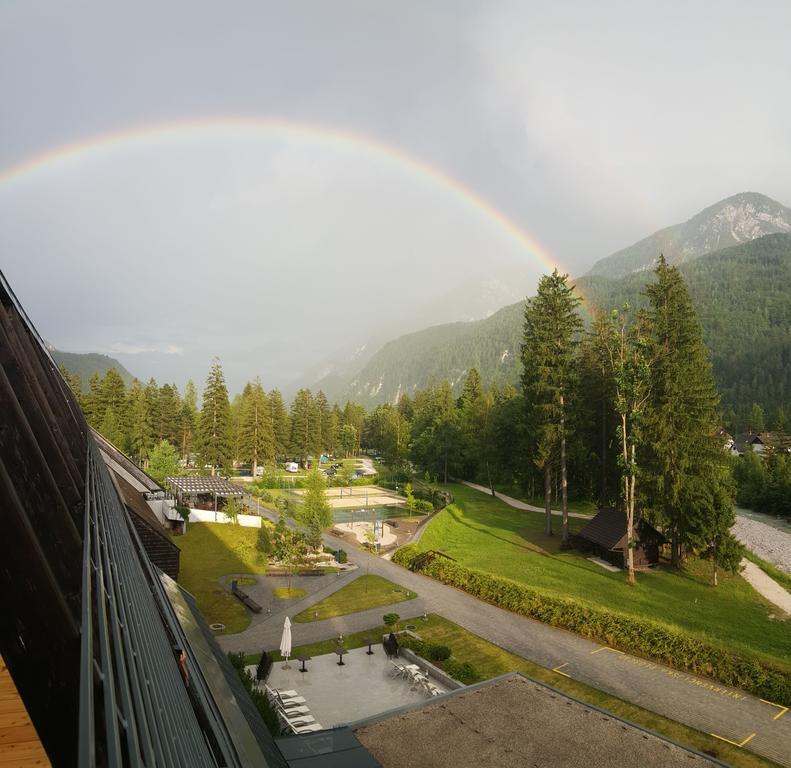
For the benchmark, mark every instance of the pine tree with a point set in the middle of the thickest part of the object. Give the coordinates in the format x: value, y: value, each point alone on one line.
x: 256, y: 436
x: 280, y: 423
x: 73, y: 380
x: 686, y: 472
x: 300, y: 418
x: 151, y: 393
x: 550, y: 330
x: 325, y: 422
x: 170, y: 414
x: 214, y: 427
x: 139, y: 431
x: 92, y: 401
x: 188, y: 419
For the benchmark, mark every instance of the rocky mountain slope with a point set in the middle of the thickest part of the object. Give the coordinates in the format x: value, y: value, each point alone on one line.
x: 732, y: 221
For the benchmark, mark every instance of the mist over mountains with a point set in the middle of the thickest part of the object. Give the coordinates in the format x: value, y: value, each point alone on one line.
x: 739, y: 289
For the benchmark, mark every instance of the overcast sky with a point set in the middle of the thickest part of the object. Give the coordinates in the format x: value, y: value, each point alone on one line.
x: 589, y: 125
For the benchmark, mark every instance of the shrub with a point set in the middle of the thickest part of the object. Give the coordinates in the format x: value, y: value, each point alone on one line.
x: 438, y: 652
x: 343, y: 557
x: 262, y: 703
x: 464, y: 672
x: 406, y: 555
x: 390, y: 619
x: 640, y: 636
x: 422, y: 505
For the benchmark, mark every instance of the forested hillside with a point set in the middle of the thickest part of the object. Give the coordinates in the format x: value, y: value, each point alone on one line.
x: 741, y: 295
x: 85, y: 365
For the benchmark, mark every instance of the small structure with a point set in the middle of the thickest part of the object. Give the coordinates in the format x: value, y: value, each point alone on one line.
x: 203, y: 492
x: 605, y: 535
x: 749, y: 441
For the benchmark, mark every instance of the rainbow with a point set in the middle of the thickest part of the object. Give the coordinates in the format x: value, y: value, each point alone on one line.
x: 247, y: 127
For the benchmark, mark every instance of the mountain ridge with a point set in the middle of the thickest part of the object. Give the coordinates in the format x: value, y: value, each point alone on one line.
x: 737, y: 219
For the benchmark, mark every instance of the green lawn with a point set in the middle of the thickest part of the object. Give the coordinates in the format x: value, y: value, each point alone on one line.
x: 485, y: 533
x: 209, y: 551
x: 363, y: 593
x: 288, y: 593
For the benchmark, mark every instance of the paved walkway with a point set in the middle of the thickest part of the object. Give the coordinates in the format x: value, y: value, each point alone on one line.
x: 766, y: 586
x: 728, y: 713
x: 517, y: 504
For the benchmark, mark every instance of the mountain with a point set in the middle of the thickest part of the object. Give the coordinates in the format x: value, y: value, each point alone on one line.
x: 741, y: 295
x: 735, y: 220
x: 86, y: 364
x: 474, y: 299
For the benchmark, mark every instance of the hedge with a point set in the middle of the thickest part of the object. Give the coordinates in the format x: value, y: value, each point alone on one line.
x: 640, y: 636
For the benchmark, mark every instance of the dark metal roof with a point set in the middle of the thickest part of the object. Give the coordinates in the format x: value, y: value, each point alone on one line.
x: 608, y: 529
x: 204, y: 485
x: 136, y: 504
x: 113, y: 455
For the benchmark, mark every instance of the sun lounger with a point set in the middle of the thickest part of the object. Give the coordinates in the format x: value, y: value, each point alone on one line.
x: 299, y: 720
x: 295, y: 710
x: 309, y: 728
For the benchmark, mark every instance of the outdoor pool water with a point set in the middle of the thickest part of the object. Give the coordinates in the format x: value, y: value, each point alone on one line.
x: 368, y: 514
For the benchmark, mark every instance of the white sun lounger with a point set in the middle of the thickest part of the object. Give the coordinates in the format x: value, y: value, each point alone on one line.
x: 309, y: 728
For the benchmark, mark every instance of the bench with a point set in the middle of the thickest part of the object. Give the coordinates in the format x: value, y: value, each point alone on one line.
x: 246, y: 599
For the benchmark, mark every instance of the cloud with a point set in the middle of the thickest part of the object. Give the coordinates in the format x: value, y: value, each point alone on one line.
x: 125, y: 348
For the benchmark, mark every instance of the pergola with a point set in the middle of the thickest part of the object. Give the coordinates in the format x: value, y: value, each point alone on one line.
x: 216, y: 487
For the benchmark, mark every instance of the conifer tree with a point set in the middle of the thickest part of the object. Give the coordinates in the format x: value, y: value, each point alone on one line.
x: 300, y: 418
x: 188, y: 418
x: 550, y: 330
x: 280, y: 423
x: 73, y: 380
x: 686, y: 471
x: 151, y: 394
x: 139, y: 432
x: 170, y: 413
x: 256, y: 436
x: 214, y: 427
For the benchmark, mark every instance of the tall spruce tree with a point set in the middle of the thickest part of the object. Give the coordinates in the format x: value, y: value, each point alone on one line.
x: 686, y: 470
x: 280, y: 423
x: 256, y: 436
x: 302, y: 412
x: 550, y: 335
x: 214, y: 427
x: 188, y: 419
x: 139, y: 431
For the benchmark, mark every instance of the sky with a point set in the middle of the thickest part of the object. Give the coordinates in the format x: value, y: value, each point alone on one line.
x: 286, y: 179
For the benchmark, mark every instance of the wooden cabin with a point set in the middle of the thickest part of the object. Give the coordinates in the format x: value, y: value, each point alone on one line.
x: 605, y: 536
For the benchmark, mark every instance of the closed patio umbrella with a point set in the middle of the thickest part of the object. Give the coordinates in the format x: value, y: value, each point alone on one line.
x: 285, y: 641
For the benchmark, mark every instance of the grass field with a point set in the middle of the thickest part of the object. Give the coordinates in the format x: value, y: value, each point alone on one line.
x: 209, y: 551
x: 484, y: 533
x: 363, y: 593
x: 491, y: 661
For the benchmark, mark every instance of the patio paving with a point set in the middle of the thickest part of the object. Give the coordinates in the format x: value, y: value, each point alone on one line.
x: 337, y: 695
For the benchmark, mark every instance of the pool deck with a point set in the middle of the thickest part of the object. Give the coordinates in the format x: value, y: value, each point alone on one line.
x: 337, y: 695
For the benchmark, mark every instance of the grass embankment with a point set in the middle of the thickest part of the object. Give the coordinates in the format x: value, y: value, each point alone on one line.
x: 209, y: 551
x: 484, y: 533
x: 491, y: 661
x: 363, y: 593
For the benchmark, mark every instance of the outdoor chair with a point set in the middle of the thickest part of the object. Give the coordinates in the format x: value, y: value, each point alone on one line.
x: 298, y: 720
x: 309, y: 728
x: 297, y: 709
x: 292, y: 702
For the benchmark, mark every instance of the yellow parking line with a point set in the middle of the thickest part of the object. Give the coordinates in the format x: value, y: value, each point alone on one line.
x: 735, y: 743
x: 559, y: 667
x: 607, y: 648
x: 782, y: 709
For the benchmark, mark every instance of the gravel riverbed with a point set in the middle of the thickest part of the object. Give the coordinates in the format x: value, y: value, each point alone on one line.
x: 765, y: 541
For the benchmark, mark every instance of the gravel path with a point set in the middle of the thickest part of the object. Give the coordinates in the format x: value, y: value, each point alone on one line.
x: 517, y: 504
x: 766, y: 586
x: 767, y: 542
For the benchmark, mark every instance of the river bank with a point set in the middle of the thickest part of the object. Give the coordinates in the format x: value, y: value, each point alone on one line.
x: 766, y: 541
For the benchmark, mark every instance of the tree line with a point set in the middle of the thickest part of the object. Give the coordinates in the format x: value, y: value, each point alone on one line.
x: 157, y: 425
